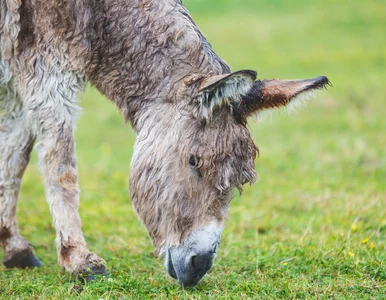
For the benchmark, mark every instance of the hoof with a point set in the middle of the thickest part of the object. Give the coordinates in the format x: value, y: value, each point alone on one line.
x: 89, y: 274
x: 22, y: 260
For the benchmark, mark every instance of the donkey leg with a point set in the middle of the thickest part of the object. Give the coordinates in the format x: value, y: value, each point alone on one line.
x: 57, y: 157
x: 52, y: 108
x: 16, y: 143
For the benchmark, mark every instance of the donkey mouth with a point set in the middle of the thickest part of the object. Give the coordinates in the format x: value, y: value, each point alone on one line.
x: 189, y: 262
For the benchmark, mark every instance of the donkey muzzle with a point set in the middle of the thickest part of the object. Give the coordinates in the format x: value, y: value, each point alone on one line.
x: 189, y: 262
x: 191, y: 269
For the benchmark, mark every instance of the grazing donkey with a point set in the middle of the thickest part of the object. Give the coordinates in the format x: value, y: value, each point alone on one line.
x: 188, y: 110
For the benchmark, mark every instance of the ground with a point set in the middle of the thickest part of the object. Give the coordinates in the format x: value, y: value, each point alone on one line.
x: 315, y: 223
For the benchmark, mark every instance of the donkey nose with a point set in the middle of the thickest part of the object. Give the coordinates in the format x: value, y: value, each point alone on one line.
x: 190, y: 261
x: 187, y: 268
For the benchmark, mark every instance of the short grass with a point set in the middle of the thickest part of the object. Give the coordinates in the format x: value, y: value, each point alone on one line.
x: 315, y: 224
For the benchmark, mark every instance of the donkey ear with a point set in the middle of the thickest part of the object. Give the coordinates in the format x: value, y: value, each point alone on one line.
x: 219, y: 90
x: 275, y: 93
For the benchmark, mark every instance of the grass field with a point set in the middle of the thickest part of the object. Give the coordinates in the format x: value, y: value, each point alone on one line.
x: 314, y: 226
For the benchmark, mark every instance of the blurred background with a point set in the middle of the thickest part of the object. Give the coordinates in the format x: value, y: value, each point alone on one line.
x: 315, y: 223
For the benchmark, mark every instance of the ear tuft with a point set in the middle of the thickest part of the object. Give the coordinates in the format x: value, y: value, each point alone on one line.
x: 217, y: 91
x: 300, y: 100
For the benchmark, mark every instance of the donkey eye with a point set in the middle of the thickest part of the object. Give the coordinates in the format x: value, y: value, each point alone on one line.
x: 194, y: 161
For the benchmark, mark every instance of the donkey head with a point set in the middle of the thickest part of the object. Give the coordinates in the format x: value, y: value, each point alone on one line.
x: 191, y: 152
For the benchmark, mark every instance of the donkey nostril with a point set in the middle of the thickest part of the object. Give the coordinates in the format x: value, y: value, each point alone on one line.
x: 194, y: 257
x: 202, y: 262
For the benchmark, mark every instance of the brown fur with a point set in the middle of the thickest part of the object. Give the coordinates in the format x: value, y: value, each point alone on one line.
x: 267, y: 94
x: 69, y: 180
x: 5, y: 234
x: 26, y: 36
x: 65, y: 253
x: 173, y: 203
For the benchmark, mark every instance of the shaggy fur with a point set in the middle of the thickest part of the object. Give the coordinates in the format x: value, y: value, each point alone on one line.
x: 150, y: 59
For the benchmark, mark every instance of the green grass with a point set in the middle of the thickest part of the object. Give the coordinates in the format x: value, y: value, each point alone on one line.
x: 315, y: 223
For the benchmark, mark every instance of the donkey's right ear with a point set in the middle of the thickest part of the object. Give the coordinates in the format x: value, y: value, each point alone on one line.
x: 219, y: 90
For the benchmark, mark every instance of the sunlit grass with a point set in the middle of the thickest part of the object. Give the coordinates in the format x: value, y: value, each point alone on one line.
x: 315, y: 223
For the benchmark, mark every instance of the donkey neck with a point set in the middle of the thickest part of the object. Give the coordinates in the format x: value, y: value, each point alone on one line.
x: 142, y: 49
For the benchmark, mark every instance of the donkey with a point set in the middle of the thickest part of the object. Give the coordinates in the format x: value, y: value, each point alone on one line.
x: 189, y: 111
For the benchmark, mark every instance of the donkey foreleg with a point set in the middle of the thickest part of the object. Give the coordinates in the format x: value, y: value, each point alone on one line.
x: 57, y: 158
x: 50, y: 99
x: 16, y: 142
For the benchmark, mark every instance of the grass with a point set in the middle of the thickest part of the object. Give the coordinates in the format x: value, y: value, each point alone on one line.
x: 314, y: 226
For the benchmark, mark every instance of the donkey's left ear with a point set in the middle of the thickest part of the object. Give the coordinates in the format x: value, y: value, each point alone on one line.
x: 219, y: 90
x: 266, y: 94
